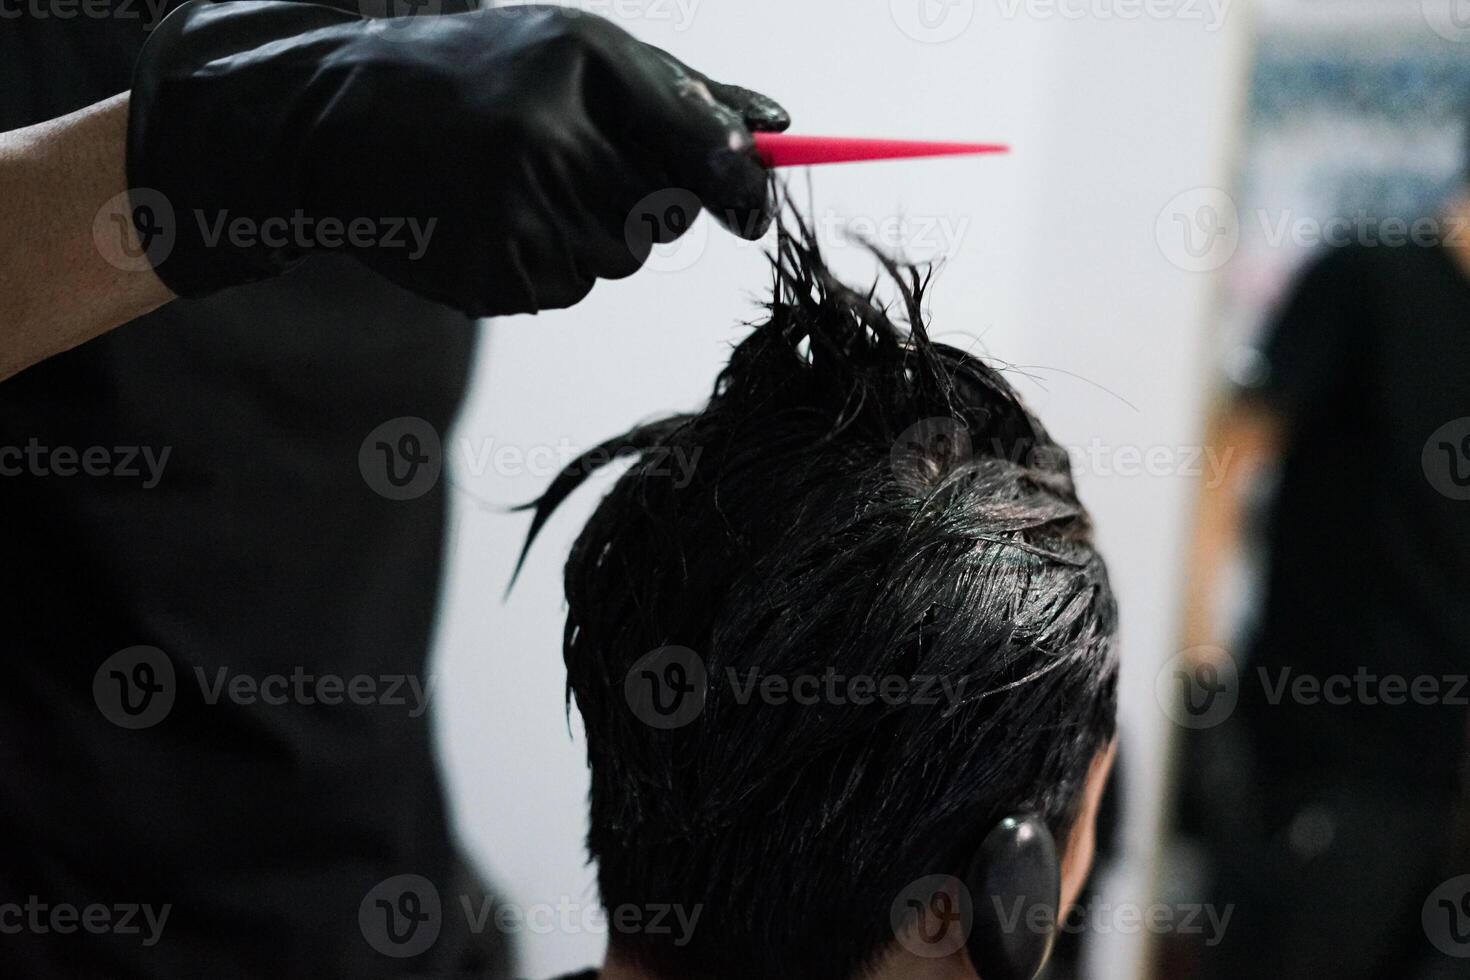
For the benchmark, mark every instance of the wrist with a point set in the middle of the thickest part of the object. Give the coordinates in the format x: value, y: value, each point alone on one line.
x: 214, y: 149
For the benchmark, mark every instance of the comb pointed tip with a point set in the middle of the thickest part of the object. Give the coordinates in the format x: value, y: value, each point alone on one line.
x: 791, y: 150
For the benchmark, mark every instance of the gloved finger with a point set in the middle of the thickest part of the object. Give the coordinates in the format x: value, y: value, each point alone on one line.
x: 760, y: 112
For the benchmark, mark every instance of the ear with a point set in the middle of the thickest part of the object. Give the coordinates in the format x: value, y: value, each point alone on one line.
x: 1015, y: 882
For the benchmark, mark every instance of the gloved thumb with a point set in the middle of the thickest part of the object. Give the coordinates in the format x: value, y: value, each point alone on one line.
x: 711, y: 151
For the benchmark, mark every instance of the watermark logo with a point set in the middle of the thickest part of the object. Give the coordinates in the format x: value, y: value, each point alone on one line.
x: 927, y: 449
x: 398, y: 19
x: 932, y: 21
x: 398, y: 9
x: 677, y: 14
x: 1363, y: 686
x: 135, y: 688
x: 1450, y: 19
x: 1208, y: 921
x: 135, y: 231
x: 669, y: 687
x: 1198, y: 230
x: 675, y: 921
x: 831, y: 687
x: 406, y: 691
x: 1201, y: 687
x: 1210, y: 13
x: 662, y: 230
x: 1198, y: 687
x: 401, y: 916
x: 301, y: 233
x: 477, y: 458
x: 402, y: 458
x: 931, y: 447
x: 666, y: 688
x: 1446, y: 917
x: 1446, y: 459
x: 932, y: 916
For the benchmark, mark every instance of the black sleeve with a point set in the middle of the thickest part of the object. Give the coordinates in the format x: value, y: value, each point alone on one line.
x: 1313, y: 345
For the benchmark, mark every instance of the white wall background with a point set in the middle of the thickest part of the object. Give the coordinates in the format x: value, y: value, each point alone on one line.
x: 1059, y: 261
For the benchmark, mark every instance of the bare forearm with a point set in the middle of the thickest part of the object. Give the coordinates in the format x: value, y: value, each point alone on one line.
x: 71, y: 266
x: 1246, y: 437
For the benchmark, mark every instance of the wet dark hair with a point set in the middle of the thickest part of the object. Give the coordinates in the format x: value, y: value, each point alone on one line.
x: 863, y: 500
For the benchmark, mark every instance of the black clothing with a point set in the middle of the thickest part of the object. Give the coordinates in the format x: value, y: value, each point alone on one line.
x: 260, y: 549
x: 1327, y: 809
x: 1369, y: 562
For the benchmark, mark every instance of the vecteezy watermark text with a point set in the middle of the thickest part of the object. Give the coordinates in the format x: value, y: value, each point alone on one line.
x: 1201, y: 687
x: 402, y: 916
x: 1199, y: 229
x: 125, y: 462
x: 1124, y: 918
x: 301, y: 687
x: 305, y: 233
x: 138, y: 229
x: 42, y: 918
x: 932, y: 917
x: 1210, y: 13
x: 668, y: 687
x: 137, y: 687
x: 148, y: 11
x: 836, y: 688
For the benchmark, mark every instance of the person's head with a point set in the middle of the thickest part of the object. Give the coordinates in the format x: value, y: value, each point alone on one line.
x: 824, y: 634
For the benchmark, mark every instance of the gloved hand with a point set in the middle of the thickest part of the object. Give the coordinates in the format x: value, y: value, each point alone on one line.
x: 493, y: 160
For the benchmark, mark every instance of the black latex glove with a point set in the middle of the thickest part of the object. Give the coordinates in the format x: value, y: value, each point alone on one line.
x: 531, y: 138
